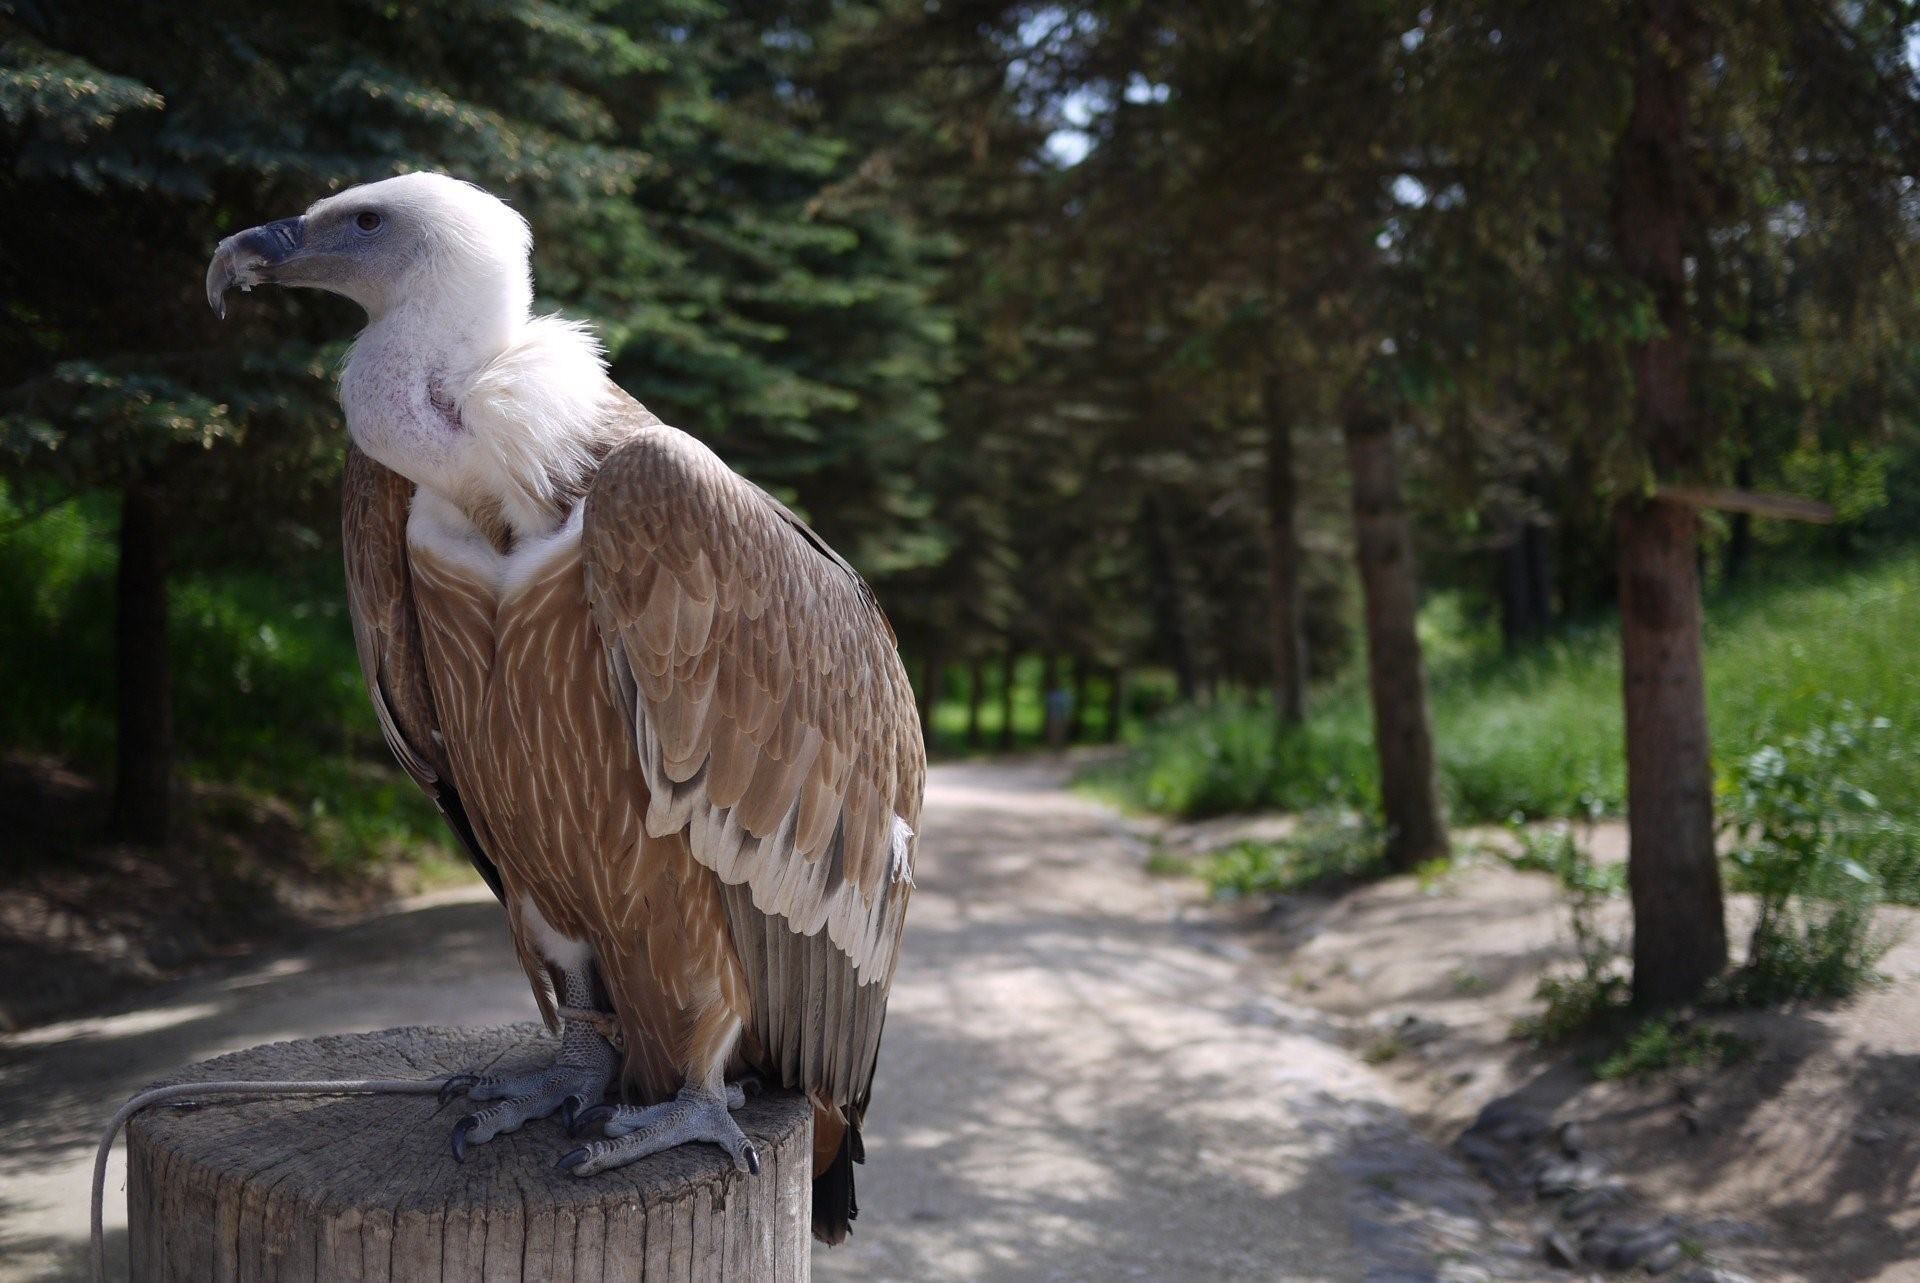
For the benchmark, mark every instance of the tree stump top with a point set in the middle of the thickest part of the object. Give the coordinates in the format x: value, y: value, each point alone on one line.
x: 365, y: 1187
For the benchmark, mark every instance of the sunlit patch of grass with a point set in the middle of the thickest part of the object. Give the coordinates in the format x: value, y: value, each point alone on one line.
x: 1540, y: 734
x: 1327, y: 851
x: 1165, y: 863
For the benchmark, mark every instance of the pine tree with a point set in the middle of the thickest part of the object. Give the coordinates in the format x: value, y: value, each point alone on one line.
x: 133, y: 139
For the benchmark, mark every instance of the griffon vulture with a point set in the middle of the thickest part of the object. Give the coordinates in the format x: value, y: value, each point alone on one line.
x: 665, y: 719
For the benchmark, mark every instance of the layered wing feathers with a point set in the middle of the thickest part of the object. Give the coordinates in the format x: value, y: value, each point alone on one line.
x: 774, y: 721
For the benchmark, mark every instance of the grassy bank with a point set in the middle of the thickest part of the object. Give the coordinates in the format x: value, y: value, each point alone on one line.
x: 267, y: 689
x: 1540, y: 734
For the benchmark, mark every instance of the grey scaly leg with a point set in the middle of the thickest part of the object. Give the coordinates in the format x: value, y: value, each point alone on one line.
x: 577, y: 1078
x: 697, y: 1113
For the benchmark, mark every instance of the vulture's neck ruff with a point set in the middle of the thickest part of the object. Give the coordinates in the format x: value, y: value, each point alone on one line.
x: 501, y: 421
x: 454, y: 383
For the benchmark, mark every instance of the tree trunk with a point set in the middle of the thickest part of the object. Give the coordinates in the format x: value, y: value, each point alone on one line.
x: 1680, y: 940
x: 1396, y: 678
x: 1077, y: 710
x: 1679, y: 931
x: 1008, y: 663
x: 1166, y: 598
x: 1051, y: 720
x: 976, y: 679
x: 1116, y: 702
x: 1526, y: 584
x: 143, y: 748
x: 1286, y: 616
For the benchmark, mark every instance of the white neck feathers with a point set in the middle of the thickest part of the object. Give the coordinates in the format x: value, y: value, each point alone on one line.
x: 496, y: 416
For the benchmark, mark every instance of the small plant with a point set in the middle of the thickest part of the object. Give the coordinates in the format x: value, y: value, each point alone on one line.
x: 1807, y: 842
x: 1385, y: 1048
x: 1555, y: 849
x: 1598, y: 992
x: 1468, y: 983
x: 1164, y: 862
x: 1574, y: 1005
x: 1671, y: 1042
x: 1325, y: 851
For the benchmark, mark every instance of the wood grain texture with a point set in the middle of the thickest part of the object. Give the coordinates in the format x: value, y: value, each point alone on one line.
x: 363, y: 1187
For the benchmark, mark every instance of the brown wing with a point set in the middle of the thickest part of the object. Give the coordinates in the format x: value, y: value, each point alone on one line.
x: 775, y: 726
x: 374, y: 506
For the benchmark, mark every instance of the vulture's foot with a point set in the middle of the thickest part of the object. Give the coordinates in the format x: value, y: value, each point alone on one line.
x: 696, y: 1114
x: 576, y: 1079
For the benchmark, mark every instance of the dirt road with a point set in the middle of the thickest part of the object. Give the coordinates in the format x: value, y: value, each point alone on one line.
x: 1078, y: 1080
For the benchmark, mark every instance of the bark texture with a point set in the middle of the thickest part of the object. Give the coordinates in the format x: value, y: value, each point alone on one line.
x: 363, y: 1188
x: 143, y: 745
x: 1679, y: 924
x: 1680, y: 940
x: 1396, y: 673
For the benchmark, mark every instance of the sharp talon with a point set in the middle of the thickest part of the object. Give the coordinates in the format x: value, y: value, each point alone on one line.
x: 750, y: 1085
x: 460, y: 1132
x: 568, y: 1108
x: 456, y: 1085
x: 572, y: 1159
x: 753, y: 1160
x: 589, y: 1117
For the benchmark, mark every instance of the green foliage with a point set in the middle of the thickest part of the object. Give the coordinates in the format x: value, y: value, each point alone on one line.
x: 1555, y: 850
x: 1594, y: 995
x: 267, y: 687
x: 66, y: 96
x: 1853, y: 480
x: 1818, y: 852
x: 1540, y: 735
x: 1236, y: 756
x: 691, y: 189
x: 1328, y: 850
x: 1671, y: 1042
x: 1163, y: 863
x: 1573, y: 1006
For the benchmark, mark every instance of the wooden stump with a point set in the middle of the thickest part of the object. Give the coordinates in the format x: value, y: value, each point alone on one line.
x: 365, y: 1187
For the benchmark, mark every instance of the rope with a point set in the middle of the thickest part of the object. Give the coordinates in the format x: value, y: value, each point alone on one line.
x: 194, y: 1091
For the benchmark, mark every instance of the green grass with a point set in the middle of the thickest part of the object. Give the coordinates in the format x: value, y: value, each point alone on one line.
x: 1146, y: 693
x: 1671, y: 1042
x: 267, y: 687
x: 1326, y: 852
x: 1540, y: 734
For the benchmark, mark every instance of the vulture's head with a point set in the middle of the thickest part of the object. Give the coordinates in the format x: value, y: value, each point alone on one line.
x: 418, y: 240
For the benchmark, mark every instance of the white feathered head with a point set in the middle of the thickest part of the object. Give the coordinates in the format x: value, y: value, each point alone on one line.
x: 424, y: 239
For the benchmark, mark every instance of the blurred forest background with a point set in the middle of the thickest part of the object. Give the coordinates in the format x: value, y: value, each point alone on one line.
x: 1295, y: 392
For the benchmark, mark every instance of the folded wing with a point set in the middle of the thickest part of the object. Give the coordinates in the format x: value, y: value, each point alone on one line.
x: 775, y: 726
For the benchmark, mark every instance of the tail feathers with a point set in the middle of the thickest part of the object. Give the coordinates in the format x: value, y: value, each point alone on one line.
x: 834, y: 1207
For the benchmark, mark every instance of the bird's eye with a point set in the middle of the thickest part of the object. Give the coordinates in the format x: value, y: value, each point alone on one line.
x: 367, y: 221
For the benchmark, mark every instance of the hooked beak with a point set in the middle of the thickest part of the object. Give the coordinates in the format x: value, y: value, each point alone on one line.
x: 249, y: 258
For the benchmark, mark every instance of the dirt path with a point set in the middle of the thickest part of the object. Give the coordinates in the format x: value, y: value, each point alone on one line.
x: 1076, y: 1083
